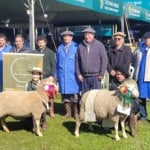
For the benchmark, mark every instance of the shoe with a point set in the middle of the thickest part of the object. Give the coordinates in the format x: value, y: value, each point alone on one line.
x: 141, y: 120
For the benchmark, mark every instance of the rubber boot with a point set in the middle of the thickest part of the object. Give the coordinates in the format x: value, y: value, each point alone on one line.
x: 76, y: 111
x: 51, y: 111
x: 133, y: 124
x: 68, y: 110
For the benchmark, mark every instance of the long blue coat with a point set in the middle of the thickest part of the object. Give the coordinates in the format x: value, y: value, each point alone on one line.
x: 144, y: 87
x: 65, y: 69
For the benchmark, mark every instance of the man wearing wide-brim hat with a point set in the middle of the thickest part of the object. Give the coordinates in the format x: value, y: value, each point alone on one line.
x: 142, y: 73
x: 91, y: 61
x: 68, y: 84
x: 119, y: 55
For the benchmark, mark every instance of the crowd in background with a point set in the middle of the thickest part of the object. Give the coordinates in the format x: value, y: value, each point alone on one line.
x: 81, y: 67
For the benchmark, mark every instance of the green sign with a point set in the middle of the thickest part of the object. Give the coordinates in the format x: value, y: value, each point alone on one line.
x: 16, y: 68
x: 112, y: 7
x: 133, y: 12
x: 81, y: 3
x: 146, y: 15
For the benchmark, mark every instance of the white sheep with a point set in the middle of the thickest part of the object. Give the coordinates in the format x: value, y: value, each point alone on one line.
x: 105, y: 106
x: 24, y: 104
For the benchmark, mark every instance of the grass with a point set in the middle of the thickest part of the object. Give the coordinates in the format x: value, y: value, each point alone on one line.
x: 59, y: 136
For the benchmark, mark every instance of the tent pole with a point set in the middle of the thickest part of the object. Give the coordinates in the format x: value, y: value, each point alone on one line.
x: 122, y: 23
x: 32, y: 25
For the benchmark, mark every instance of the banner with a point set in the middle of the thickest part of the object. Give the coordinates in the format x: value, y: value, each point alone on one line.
x: 112, y: 7
x: 16, y: 68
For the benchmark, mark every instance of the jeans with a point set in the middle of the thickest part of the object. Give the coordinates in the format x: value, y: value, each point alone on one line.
x: 142, y: 108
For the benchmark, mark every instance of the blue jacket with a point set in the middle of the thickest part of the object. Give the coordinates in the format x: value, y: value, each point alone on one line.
x: 139, y: 64
x: 66, y: 75
x: 5, y: 50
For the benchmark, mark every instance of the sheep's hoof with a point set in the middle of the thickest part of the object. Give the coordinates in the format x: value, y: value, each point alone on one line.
x: 117, y: 138
x: 125, y: 136
x: 76, y: 134
x: 40, y: 134
x: 7, y: 131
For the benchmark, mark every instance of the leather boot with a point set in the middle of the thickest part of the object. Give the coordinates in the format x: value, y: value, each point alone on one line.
x: 76, y: 111
x: 51, y: 111
x: 133, y: 124
x: 68, y: 110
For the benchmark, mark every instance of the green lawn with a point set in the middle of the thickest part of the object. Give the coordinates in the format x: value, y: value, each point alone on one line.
x: 59, y: 136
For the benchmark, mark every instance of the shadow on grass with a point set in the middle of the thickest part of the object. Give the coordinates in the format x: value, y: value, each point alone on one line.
x: 19, y: 124
x: 59, y: 108
x: 70, y: 125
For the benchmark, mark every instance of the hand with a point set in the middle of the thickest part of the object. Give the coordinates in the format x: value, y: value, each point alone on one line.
x: 100, y: 77
x: 113, y: 73
x: 80, y: 78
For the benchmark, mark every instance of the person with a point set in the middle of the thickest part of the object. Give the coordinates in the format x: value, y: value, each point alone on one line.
x: 19, y: 46
x: 91, y: 61
x: 31, y: 86
x: 69, y: 86
x: 118, y: 55
x: 141, y: 65
x: 4, y: 48
x: 49, y: 64
x: 36, y: 77
x: 122, y: 76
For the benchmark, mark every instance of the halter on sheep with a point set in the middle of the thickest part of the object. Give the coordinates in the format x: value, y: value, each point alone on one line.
x: 105, y: 106
x: 23, y: 104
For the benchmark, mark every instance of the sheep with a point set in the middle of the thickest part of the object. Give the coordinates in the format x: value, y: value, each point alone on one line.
x: 24, y: 104
x: 105, y: 106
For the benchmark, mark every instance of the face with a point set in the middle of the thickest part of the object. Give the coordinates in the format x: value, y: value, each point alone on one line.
x: 2, y: 42
x: 19, y: 42
x: 147, y: 42
x: 41, y: 44
x: 120, y: 77
x: 36, y: 76
x: 67, y: 39
x: 118, y: 40
x: 89, y: 37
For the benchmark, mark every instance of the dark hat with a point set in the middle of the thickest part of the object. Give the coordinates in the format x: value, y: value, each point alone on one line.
x: 119, y: 34
x: 146, y: 35
x: 123, y: 71
x: 36, y: 69
x: 89, y: 29
x: 67, y: 32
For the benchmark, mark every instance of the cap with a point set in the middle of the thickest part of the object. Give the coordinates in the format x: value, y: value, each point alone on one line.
x: 89, y: 29
x: 119, y: 34
x: 67, y: 32
x: 36, y: 69
x: 146, y: 35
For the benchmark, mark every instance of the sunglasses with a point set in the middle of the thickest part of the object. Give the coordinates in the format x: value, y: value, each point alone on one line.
x: 117, y: 39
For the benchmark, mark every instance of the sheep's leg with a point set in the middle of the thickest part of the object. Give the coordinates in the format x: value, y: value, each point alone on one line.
x: 123, y: 129
x: 38, y: 132
x: 90, y: 126
x: 34, y: 125
x: 3, y: 122
x: 116, y: 131
x: 78, y: 123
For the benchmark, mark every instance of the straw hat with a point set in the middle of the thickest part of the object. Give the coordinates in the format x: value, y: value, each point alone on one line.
x: 119, y: 34
x: 36, y: 69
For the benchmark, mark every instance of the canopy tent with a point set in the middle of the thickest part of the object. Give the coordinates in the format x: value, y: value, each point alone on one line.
x: 15, y: 14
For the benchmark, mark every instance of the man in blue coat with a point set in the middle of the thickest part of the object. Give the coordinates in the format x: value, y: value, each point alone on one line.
x: 69, y: 87
x: 141, y: 64
x: 4, y: 48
